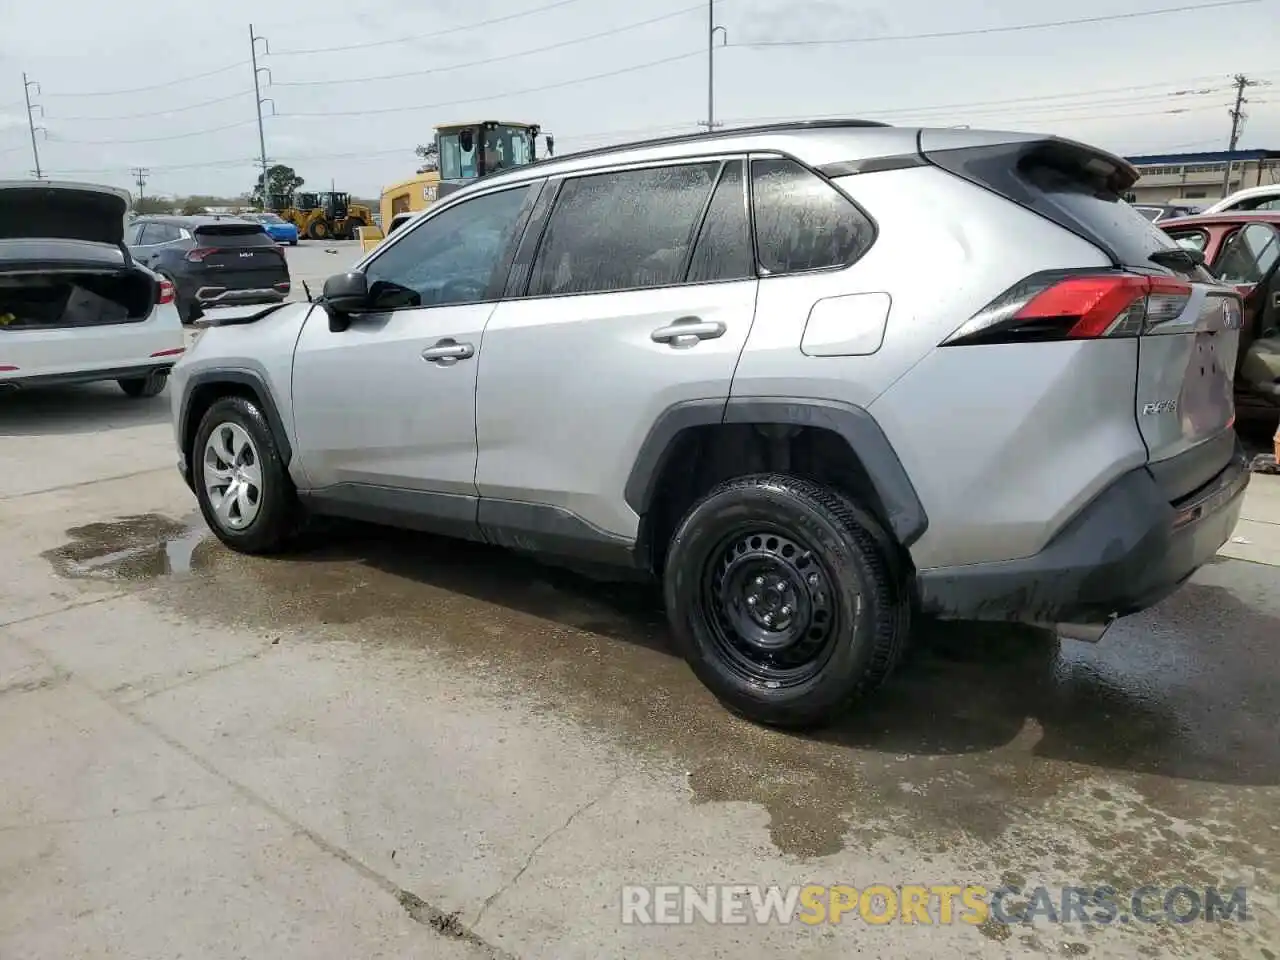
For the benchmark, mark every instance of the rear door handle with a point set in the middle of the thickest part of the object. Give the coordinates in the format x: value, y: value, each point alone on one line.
x: 447, y: 352
x: 687, y: 331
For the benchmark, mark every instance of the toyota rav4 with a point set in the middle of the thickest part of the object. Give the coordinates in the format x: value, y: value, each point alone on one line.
x: 816, y: 378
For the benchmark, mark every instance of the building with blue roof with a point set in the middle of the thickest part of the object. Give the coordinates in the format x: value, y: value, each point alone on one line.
x: 1169, y: 177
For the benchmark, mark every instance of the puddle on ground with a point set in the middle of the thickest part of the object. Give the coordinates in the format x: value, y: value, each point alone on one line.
x: 987, y: 740
x: 135, y: 548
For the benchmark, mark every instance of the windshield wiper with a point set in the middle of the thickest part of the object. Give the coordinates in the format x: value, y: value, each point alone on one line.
x: 1178, y: 257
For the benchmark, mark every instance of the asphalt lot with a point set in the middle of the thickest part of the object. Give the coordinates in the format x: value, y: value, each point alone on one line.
x: 390, y: 745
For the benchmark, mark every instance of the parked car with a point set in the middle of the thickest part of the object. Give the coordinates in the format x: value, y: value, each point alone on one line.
x: 74, y: 306
x: 211, y: 260
x: 278, y: 228
x: 1243, y: 249
x: 943, y: 372
x: 1261, y: 198
x: 1156, y: 212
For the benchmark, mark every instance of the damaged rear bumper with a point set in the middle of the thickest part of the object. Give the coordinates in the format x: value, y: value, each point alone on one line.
x: 1124, y: 552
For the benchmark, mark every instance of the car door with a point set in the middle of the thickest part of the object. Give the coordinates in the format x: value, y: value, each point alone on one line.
x: 1249, y: 259
x: 387, y: 405
x: 640, y: 295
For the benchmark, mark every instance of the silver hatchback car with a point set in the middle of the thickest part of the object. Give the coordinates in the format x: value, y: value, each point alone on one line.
x: 816, y: 378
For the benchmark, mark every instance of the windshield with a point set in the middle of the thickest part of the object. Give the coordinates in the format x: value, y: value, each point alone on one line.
x: 269, y: 218
x: 507, y: 147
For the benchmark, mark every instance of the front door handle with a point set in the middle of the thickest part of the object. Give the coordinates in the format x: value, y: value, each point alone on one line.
x: 448, y: 352
x: 687, y: 331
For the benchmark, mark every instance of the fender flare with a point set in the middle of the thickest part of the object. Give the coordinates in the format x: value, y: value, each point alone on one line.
x: 905, y: 513
x: 241, y: 377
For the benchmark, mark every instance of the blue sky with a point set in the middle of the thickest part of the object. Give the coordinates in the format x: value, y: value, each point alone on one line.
x: 1142, y: 85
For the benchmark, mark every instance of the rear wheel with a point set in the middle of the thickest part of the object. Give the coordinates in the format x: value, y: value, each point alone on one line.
x: 143, y: 387
x: 782, y: 600
x: 244, y: 490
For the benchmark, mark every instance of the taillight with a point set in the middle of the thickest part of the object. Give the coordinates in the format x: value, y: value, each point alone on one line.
x: 165, y: 294
x: 197, y: 254
x: 1061, y: 305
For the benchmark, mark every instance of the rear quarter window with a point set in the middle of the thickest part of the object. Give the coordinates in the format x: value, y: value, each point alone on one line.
x: 803, y: 222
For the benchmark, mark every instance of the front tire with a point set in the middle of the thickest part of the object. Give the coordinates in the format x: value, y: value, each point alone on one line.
x: 141, y: 388
x: 244, y: 490
x: 783, y: 601
x: 318, y: 230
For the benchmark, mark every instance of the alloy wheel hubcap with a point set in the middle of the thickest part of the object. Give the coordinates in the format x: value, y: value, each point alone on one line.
x: 232, y: 476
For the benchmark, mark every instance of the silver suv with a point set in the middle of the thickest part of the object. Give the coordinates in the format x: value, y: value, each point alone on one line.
x: 815, y: 377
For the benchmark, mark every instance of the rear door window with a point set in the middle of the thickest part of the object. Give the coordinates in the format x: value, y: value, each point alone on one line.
x: 802, y: 222
x: 723, y: 250
x: 625, y: 230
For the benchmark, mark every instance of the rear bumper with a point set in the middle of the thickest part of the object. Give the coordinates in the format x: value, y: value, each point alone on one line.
x: 136, y: 371
x: 1126, y: 551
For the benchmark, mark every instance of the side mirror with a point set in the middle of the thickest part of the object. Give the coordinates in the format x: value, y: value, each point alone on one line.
x: 551, y: 145
x: 344, y: 293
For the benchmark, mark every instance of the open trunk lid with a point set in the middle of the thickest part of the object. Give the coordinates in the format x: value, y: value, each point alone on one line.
x: 64, y: 211
x: 1187, y: 324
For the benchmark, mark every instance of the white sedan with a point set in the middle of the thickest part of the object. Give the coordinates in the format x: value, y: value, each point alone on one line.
x: 74, y: 306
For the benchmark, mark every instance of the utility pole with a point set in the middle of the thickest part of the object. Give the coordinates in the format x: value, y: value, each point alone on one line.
x: 31, y: 120
x: 712, y: 29
x: 140, y: 178
x: 1237, y: 116
x: 259, y: 101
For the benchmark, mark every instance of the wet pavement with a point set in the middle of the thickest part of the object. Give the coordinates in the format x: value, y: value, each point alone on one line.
x: 496, y: 745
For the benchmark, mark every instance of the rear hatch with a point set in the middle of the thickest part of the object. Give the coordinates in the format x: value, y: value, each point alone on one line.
x: 1187, y: 324
x: 238, y: 256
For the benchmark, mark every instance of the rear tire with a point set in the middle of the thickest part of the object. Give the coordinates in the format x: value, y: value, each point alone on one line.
x: 782, y: 599
x: 141, y: 388
x: 241, y: 483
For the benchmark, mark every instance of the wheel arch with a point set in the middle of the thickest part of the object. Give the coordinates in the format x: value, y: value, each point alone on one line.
x: 751, y: 434
x: 207, y: 387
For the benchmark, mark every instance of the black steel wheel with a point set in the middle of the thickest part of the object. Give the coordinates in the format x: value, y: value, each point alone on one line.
x: 783, y: 599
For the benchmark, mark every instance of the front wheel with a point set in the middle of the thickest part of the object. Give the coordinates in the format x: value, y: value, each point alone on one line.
x: 243, y: 487
x: 318, y: 230
x: 782, y: 599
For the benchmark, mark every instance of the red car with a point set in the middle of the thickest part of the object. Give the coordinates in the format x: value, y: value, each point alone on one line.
x: 1244, y: 249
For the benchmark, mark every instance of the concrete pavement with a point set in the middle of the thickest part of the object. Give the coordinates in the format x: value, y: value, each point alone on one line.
x: 388, y: 745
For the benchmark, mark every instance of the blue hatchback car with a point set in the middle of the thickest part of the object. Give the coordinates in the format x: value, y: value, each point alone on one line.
x: 278, y: 229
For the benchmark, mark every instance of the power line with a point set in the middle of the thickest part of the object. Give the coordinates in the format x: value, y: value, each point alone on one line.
x: 176, y: 136
x: 430, y: 36
x: 155, y: 86
x: 148, y: 114
x: 982, y: 31
x: 501, y: 59
x: 497, y: 96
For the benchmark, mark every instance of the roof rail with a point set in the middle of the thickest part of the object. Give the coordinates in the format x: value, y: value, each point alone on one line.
x: 784, y: 127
